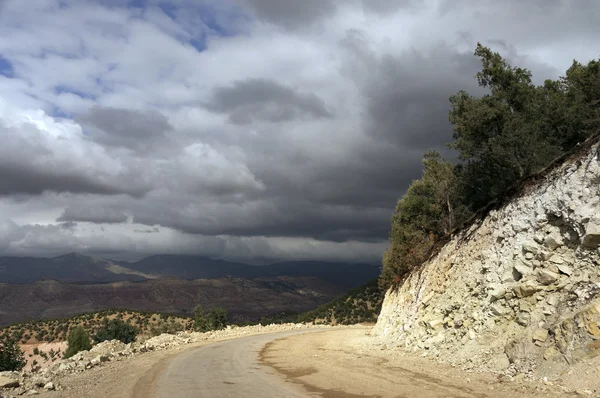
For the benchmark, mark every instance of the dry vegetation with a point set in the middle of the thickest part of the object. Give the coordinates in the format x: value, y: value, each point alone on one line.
x: 56, y: 330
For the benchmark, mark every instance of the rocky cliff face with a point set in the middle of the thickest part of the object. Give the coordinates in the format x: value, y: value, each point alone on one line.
x: 519, y: 290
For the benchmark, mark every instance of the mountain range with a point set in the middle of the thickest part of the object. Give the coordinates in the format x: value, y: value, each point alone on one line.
x: 77, y: 268
x: 42, y: 288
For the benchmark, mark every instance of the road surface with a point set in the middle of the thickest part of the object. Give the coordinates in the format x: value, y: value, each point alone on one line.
x: 334, y: 363
x: 227, y: 369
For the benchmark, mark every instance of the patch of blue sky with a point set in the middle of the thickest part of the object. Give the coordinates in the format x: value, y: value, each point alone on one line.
x: 60, y: 89
x: 6, y: 67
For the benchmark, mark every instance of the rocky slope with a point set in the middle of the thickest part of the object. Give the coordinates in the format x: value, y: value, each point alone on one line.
x: 519, y: 291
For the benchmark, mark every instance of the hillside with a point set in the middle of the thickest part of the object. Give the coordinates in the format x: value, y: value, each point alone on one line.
x: 245, y: 299
x: 56, y: 330
x: 77, y: 268
x: 518, y: 290
x: 360, y: 305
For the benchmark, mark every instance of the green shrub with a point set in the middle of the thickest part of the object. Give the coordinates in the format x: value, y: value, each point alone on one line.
x: 215, y: 319
x: 116, y: 329
x: 170, y: 326
x: 78, y: 340
x: 11, y: 356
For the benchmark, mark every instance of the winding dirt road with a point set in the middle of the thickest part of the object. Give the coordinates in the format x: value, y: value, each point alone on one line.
x: 340, y: 363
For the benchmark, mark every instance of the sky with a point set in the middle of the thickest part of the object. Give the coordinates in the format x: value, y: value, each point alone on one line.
x: 254, y: 130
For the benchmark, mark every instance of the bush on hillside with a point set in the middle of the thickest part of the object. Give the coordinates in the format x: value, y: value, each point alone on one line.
x: 78, y: 340
x: 11, y: 356
x: 169, y: 326
x: 215, y: 319
x: 116, y: 329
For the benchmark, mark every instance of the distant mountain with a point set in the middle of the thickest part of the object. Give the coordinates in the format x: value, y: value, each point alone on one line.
x: 197, y: 267
x: 76, y: 268
x: 245, y: 299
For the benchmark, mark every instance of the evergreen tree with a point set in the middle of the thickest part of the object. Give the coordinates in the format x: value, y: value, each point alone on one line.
x: 11, y: 356
x: 78, y: 340
x: 116, y: 329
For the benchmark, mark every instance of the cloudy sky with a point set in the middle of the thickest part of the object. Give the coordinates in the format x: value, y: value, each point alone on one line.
x: 245, y: 129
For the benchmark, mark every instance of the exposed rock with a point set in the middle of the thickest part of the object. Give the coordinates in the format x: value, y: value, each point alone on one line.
x: 526, y: 289
x: 528, y: 275
x: 530, y: 247
x: 553, y: 241
x: 556, y: 259
x: 49, y: 386
x: 547, y: 277
x: 436, y: 323
x: 564, y: 269
x: 529, y: 256
x: 497, y: 292
x: 591, y: 239
x: 497, y: 309
x: 9, y: 382
x: 540, y: 335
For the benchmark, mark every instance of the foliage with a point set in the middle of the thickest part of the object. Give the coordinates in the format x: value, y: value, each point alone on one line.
x: 359, y: 305
x: 430, y: 209
x: 116, y: 329
x: 215, y: 319
x: 515, y: 130
x: 170, y: 326
x: 54, y: 330
x: 11, y: 356
x: 78, y: 340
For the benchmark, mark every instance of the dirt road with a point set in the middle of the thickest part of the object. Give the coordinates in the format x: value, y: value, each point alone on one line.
x: 227, y: 369
x: 333, y: 364
x: 300, y: 363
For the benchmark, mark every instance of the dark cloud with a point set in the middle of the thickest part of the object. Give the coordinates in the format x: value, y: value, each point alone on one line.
x: 141, y: 131
x: 265, y: 100
x: 93, y: 214
x: 385, y: 7
x: 285, y: 218
x: 291, y: 14
x: 28, y: 179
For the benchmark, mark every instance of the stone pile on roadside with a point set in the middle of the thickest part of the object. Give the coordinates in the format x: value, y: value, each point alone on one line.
x: 31, y: 383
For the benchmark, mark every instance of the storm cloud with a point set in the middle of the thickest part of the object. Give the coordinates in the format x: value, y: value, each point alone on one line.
x: 255, y: 130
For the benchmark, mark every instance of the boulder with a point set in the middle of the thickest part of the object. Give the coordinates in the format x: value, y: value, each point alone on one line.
x: 553, y: 241
x: 540, y: 335
x: 591, y: 240
x: 530, y: 247
x: 523, y: 269
x: 546, y: 277
x: 556, y: 259
x: 8, y: 382
x: 497, y: 309
x: 436, y: 323
x: 564, y: 269
x: 526, y: 289
x: 497, y: 292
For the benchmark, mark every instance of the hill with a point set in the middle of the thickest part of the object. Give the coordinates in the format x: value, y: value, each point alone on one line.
x: 245, y: 299
x: 70, y: 268
x: 360, y: 305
